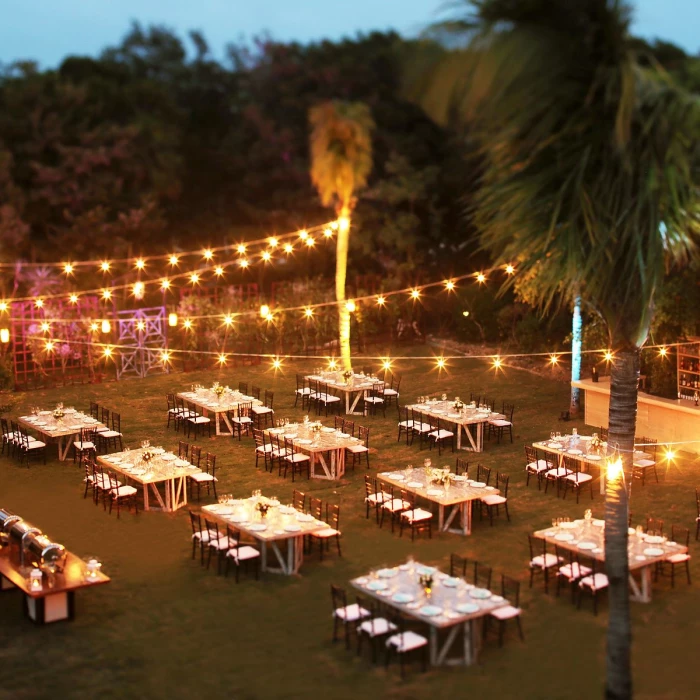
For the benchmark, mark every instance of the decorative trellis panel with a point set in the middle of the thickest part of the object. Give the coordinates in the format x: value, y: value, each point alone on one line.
x: 26, y: 320
x: 141, y: 335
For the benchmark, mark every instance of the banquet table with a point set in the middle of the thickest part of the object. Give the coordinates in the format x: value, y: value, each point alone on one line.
x: 63, y: 431
x: 352, y: 390
x: 453, y: 612
x: 164, y: 477
x: 325, y: 448
x: 206, y: 401
x: 282, y: 530
x: 460, y: 496
x: 461, y: 419
x: 578, y: 448
x: 586, y: 539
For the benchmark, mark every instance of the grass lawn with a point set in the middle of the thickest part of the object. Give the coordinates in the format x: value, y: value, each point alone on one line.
x: 166, y: 628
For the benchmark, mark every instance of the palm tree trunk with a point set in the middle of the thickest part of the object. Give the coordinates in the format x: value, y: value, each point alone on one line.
x: 622, y: 418
x: 341, y: 266
x: 576, y: 330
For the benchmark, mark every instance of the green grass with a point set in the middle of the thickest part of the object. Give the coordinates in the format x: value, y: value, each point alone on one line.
x: 166, y: 628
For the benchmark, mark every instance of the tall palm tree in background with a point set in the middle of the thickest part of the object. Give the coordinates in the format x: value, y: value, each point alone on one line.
x: 341, y: 161
x: 590, y: 178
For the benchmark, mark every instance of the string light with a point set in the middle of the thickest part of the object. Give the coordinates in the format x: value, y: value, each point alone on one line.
x: 350, y: 306
x: 222, y: 358
x: 218, y: 270
x: 272, y: 242
x: 415, y: 294
x: 449, y: 285
x: 45, y: 327
x: 303, y: 234
x: 264, y: 311
x: 73, y: 298
x: 497, y: 362
x: 308, y: 312
x: 172, y: 320
x: 68, y: 268
x: 288, y: 248
x: 270, y: 317
x: 240, y: 249
x: 332, y: 363
x: 228, y: 320
x: 663, y: 351
x: 165, y: 284
x: 139, y: 290
x: 510, y: 270
x: 187, y: 324
x: 104, y: 266
x: 335, y: 225
x: 669, y: 454
x: 266, y: 256
x: 386, y: 365
x: 328, y: 232
x: 3, y: 306
x: 194, y: 278
x: 243, y: 262
x: 39, y: 303
x: 553, y: 359
x: 107, y: 352
x: 343, y: 223
x: 608, y: 356
x: 140, y: 264
x: 4, y: 335
x: 208, y: 254
x: 381, y: 300
x: 440, y: 363
x: 165, y: 356
x: 276, y: 363
x: 49, y: 346
x: 94, y: 327
x: 141, y: 325
x: 106, y: 294
x: 310, y: 242
x: 106, y: 326
x: 480, y: 277
x: 465, y: 314
x: 173, y: 260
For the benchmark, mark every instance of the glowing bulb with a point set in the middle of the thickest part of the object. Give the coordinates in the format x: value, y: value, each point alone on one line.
x: 480, y: 277
x: 94, y: 327
x: 350, y: 306
x: 165, y: 284
x: 332, y: 364
x: 663, y: 351
x: 3, y: 306
x: 303, y: 234
x: 553, y: 359
x: 45, y: 327
x: 187, y: 324
x: 327, y: 232
x: 106, y: 294
x: 614, y: 469
x: 208, y: 254
x: 386, y: 364
x: 218, y: 270
x: 440, y: 363
x: 288, y: 248
x: 104, y: 266
x: 140, y: 264
x: 228, y: 320
x: 107, y: 352
x: 240, y: 249
x: 497, y: 362
x: 39, y: 303
x: 173, y: 260
x: 222, y: 359
x: 243, y: 263
x: 272, y: 242
x: 381, y: 300
x: 334, y: 225
x: 311, y: 242
x: 48, y: 346
x: 343, y: 223
x: 68, y: 268
x: 276, y: 363
x: 172, y: 320
x: 165, y: 356
x: 139, y: 290
x: 415, y: 294
x: 308, y: 312
x: 465, y: 314
x: 4, y: 335
x: 270, y: 317
x: 106, y: 326
x: 264, y: 310
x: 449, y: 285
x: 73, y: 298
x: 608, y: 356
x: 510, y: 269
x: 669, y: 454
x: 194, y: 278
x: 141, y: 325
x: 266, y: 256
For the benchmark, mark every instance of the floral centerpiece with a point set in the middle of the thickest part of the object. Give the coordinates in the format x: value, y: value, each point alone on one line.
x: 262, y: 507
x: 58, y: 412
x: 347, y: 375
x: 219, y: 389
x: 426, y: 582
x: 595, y: 444
x: 147, y: 454
x: 316, y: 428
x: 440, y: 477
x: 458, y: 405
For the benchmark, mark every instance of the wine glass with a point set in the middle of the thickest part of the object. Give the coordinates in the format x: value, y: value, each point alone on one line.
x: 427, y: 462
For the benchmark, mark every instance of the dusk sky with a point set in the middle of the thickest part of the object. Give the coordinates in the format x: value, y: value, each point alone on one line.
x: 48, y: 30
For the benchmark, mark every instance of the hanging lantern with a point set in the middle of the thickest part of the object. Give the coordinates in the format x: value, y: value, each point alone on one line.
x: 172, y: 320
x: 106, y: 326
x: 4, y: 335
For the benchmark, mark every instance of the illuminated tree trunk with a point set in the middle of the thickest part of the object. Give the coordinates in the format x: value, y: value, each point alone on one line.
x: 341, y: 267
x: 622, y: 418
x: 576, y: 331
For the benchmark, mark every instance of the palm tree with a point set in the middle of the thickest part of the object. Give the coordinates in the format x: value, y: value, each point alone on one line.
x: 341, y: 161
x: 590, y: 179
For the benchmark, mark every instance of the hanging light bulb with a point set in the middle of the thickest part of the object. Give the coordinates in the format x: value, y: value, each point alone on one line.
x: 104, y: 266
x: 381, y: 300
x: 165, y: 284
x: 663, y: 351
x: 73, y: 298
x: 218, y: 270
x: 68, y: 268
x: 350, y: 306
x: 39, y: 303
x: 415, y: 294
x: 173, y: 260
x: 310, y: 242
x: 264, y: 311
x: 49, y: 346
x: 272, y: 242
x: 3, y: 306
x: 308, y: 312
x: 106, y: 326
x: 107, y: 352
x: 510, y: 269
x: 480, y: 277
x: 303, y: 234
x: 449, y: 285
x: 4, y: 335
x: 243, y: 263
x: 222, y: 358
x: 94, y: 327
x: 240, y: 249
x: 288, y: 248
x: 172, y: 320
x: 165, y: 356
x: 141, y: 326
x: 440, y: 363
x: 276, y: 363
x: 608, y: 356
x: 45, y: 327
x: 497, y: 363
x: 266, y: 256
x: 194, y: 278
x: 139, y: 290
x: 140, y: 264
x: 332, y: 364
x: 187, y: 324
x: 208, y: 254
x: 106, y: 294
x: 553, y: 359
x: 386, y: 364
x: 328, y: 232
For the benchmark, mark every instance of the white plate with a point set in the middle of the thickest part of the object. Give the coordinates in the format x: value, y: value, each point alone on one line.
x: 640, y: 557
x: 303, y: 441
x: 426, y: 570
x: 157, y: 450
x: 653, y: 551
x: 567, y: 526
x: 450, y: 582
x: 574, y: 452
x: 290, y: 436
x: 653, y: 539
x: 387, y: 573
x: 305, y: 518
x: 497, y: 598
x: 430, y: 611
x: 480, y: 593
x: 598, y: 523
x: 477, y: 484
x: 169, y: 457
x: 564, y: 537
x: 238, y: 519
x: 396, y: 477
x: 377, y: 585
x: 586, y: 546
x: 75, y: 427
x: 69, y: 410
x: 594, y: 458
x: 456, y: 477
x: 327, y: 430
x: 292, y: 528
x: 224, y: 510
x: 257, y: 527
x: 467, y: 608
x: 435, y: 492
x: 44, y: 413
x: 181, y: 463
x: 415, y: 484
x: 343, y: 435
x: 402, y: 598
x: 114, y: 460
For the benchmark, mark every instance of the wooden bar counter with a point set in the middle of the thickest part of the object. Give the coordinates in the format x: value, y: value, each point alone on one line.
x: 666, y: 420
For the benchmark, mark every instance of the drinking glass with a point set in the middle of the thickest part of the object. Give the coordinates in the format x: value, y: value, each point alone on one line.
x: 444, y: 397
x: 427, y: 462
x: 409, y: 470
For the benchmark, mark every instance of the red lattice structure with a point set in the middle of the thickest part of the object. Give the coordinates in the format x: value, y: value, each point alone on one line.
x: 26, y: 324
x: 235, y: 292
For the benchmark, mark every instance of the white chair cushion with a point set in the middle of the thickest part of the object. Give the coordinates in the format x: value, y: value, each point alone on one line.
x: 199, y: 419
x: 357, y: 448
x: 499, y: 423
x: 242, y: 419
x: 644, y: 463
x: 396, y: 504
x: 578, y: 478
x: 262, y: 409
x: 351, y: 613
x: 374, y: 399
x: 574, y: 573
x: 327, y: 398
x: 377, y: 627
x: 406, y: 424
x: 36, y: 444
x: 597, y: 581
x: 380, y: 497
x: 263, y: 448
x: 297, y: 457
x: 124, y: 491
x: 222, y: 543
x: 544, y: 561
x: 243, y: 553
x: 678, y: 558
x: 507, y: 612
x: 202, y: 476
x: 557, y: 473
x: 539, y: 466
x: 328, y: 532
x: 416, y: 515
x: 303, y: 392
x: 406, y: 641
x: 494, y: 500
x: 83, y: 446
x: 204, y: 535
x: 110, y: 434
x: 422, y: 427
x: 441, y: 434
x: 391, y: 392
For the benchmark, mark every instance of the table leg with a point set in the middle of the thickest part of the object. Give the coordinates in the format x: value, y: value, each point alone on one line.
x: 63, y: 447
x: 441, y: 517
x: 460, y: 427
x: 145, y: 497
x: 433, y: 646
x: 263, y: 556
x: 227, y: 423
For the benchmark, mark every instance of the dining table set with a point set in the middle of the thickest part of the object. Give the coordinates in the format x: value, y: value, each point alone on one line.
x: 585, y: 537
x: 325, y: 446
x: 281, y: 527
x: 161, y: 474
x: 219, y: 402
x: 469, y: 419
x: 449, y: 491
x: 60, y: 425
x: 452, y: 609
x: 353, y: 387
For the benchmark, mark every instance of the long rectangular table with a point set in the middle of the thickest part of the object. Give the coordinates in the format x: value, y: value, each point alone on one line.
x: 166, y: 471
x: 453, y: 612
x: 353, y: 390
x: 461, y: 419
x: 460, y: 496
x: 62, y: 431
x: 206, y: 401
x: 55, y: 600
x: 283, y: 529
x: 326, y: 448
x: 586, y: 539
